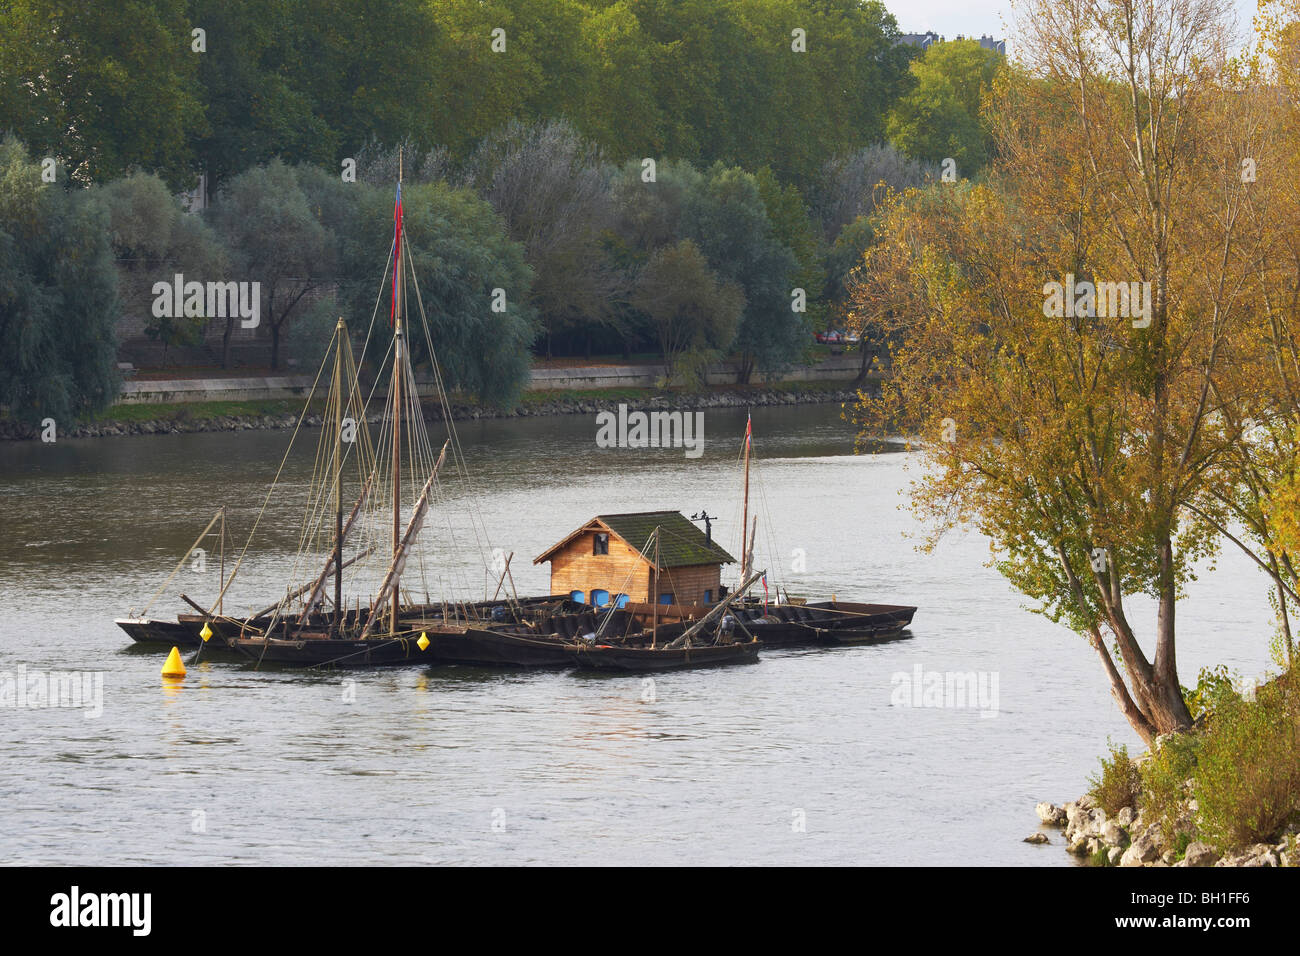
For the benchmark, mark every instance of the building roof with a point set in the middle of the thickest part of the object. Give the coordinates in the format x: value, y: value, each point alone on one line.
x: 681, y: 543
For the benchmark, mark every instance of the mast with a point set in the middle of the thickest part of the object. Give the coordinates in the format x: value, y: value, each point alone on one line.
x: 340, y: 332
x: 654, y: 595
x: 397, y: 395
x: 744, y: 519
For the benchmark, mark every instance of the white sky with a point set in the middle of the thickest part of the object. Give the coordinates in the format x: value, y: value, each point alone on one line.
x: 973, y: 18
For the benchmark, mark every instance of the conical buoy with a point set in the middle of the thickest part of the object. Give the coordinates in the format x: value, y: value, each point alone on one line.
x: 423, y: 642
x: 174, y: 667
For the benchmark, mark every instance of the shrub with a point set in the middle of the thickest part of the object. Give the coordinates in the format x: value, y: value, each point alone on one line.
x: 1248, y: 773
x: 1163, y: 781
x: 1120, y: 783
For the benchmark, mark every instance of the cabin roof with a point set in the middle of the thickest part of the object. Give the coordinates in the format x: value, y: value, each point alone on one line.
x: 681, y: 543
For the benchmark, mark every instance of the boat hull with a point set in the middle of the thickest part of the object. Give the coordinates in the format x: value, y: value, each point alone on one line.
x: 614, y: 658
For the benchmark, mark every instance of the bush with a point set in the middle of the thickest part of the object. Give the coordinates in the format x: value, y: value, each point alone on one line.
x: 1120, y: 783
x: 1248, y: 773
x: 1163, y: 781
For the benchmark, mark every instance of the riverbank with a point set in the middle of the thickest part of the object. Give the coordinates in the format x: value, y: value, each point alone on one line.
x: 187, y: 417
x: 1225, y: 792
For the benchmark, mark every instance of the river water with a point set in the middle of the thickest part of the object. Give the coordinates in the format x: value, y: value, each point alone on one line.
x: 809, y: 756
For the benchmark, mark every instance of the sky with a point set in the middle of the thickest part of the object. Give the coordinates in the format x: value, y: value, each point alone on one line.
x: 975, y: 18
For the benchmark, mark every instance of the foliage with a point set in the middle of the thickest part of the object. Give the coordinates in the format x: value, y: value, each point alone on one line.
x: 1120, y: 783
x: 1247, y: 781
x: 153, y: 240
x: 1164, y: 780
x: 940, y: 117
x: 58, y: 295
x: 694, y: 315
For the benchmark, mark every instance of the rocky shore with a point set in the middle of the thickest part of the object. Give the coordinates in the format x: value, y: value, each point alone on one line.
x: 176, y: 420
x: 1128, y: 840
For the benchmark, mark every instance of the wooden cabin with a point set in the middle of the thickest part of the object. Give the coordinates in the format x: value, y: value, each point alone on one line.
x: 603, y: 561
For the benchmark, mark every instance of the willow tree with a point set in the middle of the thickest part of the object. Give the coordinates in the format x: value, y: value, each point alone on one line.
x: 1255, y: 503
x: 1068, y: 326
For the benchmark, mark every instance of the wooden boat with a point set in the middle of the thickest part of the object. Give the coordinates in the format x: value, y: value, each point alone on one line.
x: 623, y: 658
x: 825, y: 623
x: 314, y: 624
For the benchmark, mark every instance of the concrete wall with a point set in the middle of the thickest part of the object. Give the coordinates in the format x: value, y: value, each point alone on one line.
x: 838, y: 368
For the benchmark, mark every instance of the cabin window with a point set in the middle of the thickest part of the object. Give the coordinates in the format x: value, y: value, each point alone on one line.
x: 620, y: 600
x: 599, y: 598
x: 577, y: 597
x: 666, y: 598
x: 600, y: 544
x: 708, y: 596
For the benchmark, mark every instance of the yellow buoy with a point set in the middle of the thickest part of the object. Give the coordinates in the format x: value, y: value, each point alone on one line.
x: 206, y: 632
x: 174, y: 667
x: 423, y: 642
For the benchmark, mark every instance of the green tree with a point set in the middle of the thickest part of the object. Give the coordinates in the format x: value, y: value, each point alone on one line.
x: 103, y: 87
x: 276, y: 238
x: 693, y: 314
x: 153, y: 239
x: 940, y: 117
x: 58, y: 295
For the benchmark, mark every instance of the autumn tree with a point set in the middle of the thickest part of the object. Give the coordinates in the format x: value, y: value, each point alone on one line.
x: 1067, y: 327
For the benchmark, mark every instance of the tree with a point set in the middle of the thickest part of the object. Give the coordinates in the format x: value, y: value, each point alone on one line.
x: 153, y: 239
x: 694, y: 315
x: 103, y: 87
x: 552, y: 190
x: 726, y: 217
x: 940, y: 117
x: 1076, y: 436
x: 58, y: 295
x: 276, y: 239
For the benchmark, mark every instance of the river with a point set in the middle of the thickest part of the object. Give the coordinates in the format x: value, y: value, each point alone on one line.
x: 808, y: 757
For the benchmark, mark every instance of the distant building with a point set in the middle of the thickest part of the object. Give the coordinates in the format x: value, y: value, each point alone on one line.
x: 603, y: 562
x: 924, y: 41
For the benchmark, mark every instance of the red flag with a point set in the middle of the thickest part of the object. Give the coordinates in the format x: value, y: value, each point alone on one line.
x: 397, y: 252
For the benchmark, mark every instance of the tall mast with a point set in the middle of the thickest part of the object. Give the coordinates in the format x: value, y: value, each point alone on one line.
x: 397, y: 394
x: 340, y: 331
x: 744, y: 519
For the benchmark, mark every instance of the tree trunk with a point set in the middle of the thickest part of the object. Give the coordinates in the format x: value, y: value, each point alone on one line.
x: 225, y: 342
x: 275, y: 346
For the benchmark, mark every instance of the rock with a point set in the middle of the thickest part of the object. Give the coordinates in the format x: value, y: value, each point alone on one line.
x: 1087, y: 802
x: 1113, y: 834
x: 1114, y: 855
x: 1167, y: 858
x: 1200, y: 854
x: 1050, y: 814
x: 1125, y: 817
x: 1142, y: 851
x: 1037, y: 838
x: 1094, y: 846
x: 1078, y: 847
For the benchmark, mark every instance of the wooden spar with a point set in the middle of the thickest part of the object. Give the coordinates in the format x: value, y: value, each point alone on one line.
x: 181, y: 563
x: 748, y: 561
x: 654, y: 594
x: 502, y: 580
x: 397, y: 403
x: 310, y: 584
x: 340, y: 332
x: 718, y: 609
x: 222, y: 579
x: 744, y: 517
x: 389, y: 588
x: 334, y: 563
